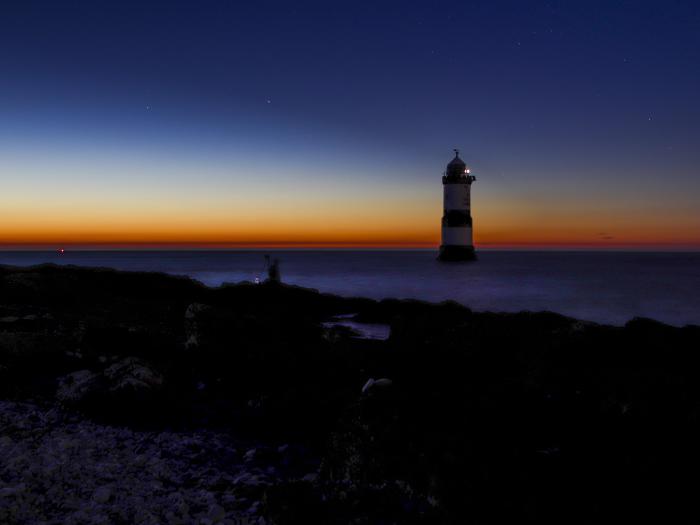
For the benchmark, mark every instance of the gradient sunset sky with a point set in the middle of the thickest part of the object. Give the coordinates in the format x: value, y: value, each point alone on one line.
x: 330, y: 123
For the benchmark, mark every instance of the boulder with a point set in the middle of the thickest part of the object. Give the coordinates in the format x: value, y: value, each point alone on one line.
x: 132, y: 376
x: 127, y: 385
x: 193, y: 317
x: 373, y: 384
x: 79, y: 387
x: 102, y: 494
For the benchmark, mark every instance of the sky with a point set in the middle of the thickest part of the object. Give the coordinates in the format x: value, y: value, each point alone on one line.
x: 226, y: 124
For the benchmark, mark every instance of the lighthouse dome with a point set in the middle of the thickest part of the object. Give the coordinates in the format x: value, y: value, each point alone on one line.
x: 456, y: 167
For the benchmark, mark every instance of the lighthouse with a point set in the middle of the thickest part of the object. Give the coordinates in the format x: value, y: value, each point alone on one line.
x: 457, y: 244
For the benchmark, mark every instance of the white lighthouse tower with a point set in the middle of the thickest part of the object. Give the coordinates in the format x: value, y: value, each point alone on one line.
x: 457, y: 244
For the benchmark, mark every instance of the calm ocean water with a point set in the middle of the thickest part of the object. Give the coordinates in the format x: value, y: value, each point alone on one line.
x: 609, y: 287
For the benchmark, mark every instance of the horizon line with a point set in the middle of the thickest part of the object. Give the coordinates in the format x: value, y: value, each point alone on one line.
x: 207, y: 246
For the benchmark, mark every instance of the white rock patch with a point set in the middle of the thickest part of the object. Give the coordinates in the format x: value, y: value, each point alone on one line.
x: 59, y: 468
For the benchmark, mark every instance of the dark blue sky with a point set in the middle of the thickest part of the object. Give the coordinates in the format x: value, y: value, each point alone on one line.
x: 566, y: 110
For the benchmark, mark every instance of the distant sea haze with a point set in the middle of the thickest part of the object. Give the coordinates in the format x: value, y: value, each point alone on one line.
x: 605, y: 287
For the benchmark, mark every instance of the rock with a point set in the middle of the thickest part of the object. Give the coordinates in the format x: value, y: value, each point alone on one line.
x: 216, y: 513
x: 26, y: 346
x: 78, y: 387
x: 127, y: 387
x: 12, y: 492
x: 229, y: 500
x: 102, y: 495
x: 56, y: 471
x: 132, y: 376
x: 193, y: 315
x: 249, y: 455
x: 376, y: 383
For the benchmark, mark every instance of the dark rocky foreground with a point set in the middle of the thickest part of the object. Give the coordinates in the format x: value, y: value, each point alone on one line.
x: 146, y: 398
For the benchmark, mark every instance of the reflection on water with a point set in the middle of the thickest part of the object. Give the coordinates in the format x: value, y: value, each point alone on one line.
x: 379, y: 332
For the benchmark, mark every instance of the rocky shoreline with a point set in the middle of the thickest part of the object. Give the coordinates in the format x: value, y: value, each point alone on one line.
x: 147, y: 398
x: 60, y: 468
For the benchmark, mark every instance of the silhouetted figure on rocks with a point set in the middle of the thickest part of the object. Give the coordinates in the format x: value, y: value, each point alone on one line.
x: 273, y: 270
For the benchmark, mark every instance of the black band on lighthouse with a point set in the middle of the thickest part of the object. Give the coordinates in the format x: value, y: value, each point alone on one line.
x: 456, y: 218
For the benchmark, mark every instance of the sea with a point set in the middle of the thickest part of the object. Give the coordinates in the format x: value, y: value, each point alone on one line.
x: 604, y: 287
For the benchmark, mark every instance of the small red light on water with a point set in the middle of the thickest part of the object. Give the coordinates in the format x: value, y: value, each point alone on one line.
x: 61, y: 250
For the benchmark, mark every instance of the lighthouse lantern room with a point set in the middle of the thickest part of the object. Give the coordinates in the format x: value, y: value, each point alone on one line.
x: 457, y: 244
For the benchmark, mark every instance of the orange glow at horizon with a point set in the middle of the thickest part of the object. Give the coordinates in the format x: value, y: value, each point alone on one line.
x: 330, y: 217
x: 345, y: 225
x: 304, y: 232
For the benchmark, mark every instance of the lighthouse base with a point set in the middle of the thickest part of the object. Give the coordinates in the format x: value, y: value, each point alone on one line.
x: 456, y: 253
